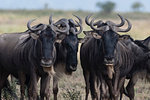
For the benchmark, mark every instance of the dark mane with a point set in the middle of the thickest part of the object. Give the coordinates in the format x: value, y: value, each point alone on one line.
x: 139, y: 43
x: 26, y: 50
x: 148, y: 38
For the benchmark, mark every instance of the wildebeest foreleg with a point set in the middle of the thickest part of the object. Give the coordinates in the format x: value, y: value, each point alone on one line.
x: 116, y: 93
x: 130, y: 86
x: 122, y: 91
x: 86, y: 78
x: 93, y: 88
x: 22, y: 79
x: 3, y: 79
x: 45, y: 87
x: 116, y: 81
x: 0, y: 94
x: 120, y: 87
x: 104, y: 93
x: 55, y: 87
x: 109, y: 83
x: 32, y: 91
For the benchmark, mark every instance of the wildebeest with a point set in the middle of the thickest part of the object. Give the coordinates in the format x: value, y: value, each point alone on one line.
x: 105, y: 56
x: 25, y: 54
x: 140, y: 69
x: 66, y: 59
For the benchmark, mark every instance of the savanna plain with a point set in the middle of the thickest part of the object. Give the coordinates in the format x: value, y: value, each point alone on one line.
x: 73, y: 87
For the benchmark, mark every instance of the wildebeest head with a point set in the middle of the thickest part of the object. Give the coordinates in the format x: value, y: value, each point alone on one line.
x: 47, y: 35
x: 107, y: 33
x: 70, y: 43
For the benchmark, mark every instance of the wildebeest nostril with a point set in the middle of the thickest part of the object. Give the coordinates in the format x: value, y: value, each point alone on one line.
x: 46, y: 61
x: 74, y: 65
x: 109, y: 61
x: 109, y: 58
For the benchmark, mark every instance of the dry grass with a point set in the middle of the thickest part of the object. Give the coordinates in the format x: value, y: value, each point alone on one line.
x: 10, y: 23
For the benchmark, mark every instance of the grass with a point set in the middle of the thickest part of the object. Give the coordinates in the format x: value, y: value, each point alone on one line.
x: 15, y: 21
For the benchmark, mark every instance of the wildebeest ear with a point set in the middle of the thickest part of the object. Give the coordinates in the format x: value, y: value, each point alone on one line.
x: 58, y: 40
x: 88, y: 33
x: 125, y: 37
x: 96, y: 36
x: 60, y: 37
x: 92, y: 34
x: 34, y: 36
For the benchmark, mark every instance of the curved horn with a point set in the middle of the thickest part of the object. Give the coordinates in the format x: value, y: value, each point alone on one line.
x: 122, y: 21
x: 98, y: 29
x: 98, y: 23
x: 50, y: 19
x: 87, y: 19
x: 60, y: 21
x: 78, y: 32
x: 31, y: 28
x: 117, y: 25
x: 125, y: 30
x: 76, y: 25
x: 80, y: 20
x: 62, y: 31
x: 94, y: 24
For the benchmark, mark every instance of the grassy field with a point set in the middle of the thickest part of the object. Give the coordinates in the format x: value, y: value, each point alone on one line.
x: 15, y: 21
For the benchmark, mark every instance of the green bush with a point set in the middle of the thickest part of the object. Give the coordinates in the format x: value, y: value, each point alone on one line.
x: 9, y: 92
x: 71, y: 94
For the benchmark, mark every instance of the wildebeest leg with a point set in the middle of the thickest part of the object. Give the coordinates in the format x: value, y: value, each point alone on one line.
x: 0, y: 85
x: 55, y: 87
x: 116, y: 82
x: 121, y: 91
x: 45, y: 87
x: 104, y: 93
x: 86, y: 78
x: 110, y: 87
x: 32, y: 91
x: 0, y: 94
x: 98, y: 83
x: 115, y: 94
x: 130, y: 86
x: 120, y: 87
x: 3, y: 79
x: 22, y: 79
x: 93, y: 89
x: 117, y: 85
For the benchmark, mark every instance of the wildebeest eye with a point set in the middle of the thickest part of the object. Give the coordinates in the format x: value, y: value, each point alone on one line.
x: 97, y: 36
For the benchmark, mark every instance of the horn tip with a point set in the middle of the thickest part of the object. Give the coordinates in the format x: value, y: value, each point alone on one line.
x: 33, y: 19
x: 89, y: 15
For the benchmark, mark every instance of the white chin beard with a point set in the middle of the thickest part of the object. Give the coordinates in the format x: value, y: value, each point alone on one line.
x: 49, y: 70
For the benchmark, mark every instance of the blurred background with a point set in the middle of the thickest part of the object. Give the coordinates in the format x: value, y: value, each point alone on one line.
x: 14, y: 15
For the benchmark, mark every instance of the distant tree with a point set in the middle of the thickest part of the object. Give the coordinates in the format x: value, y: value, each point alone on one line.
x: 46, y: 6
x: 106, y: 7
x: 137, y: 6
